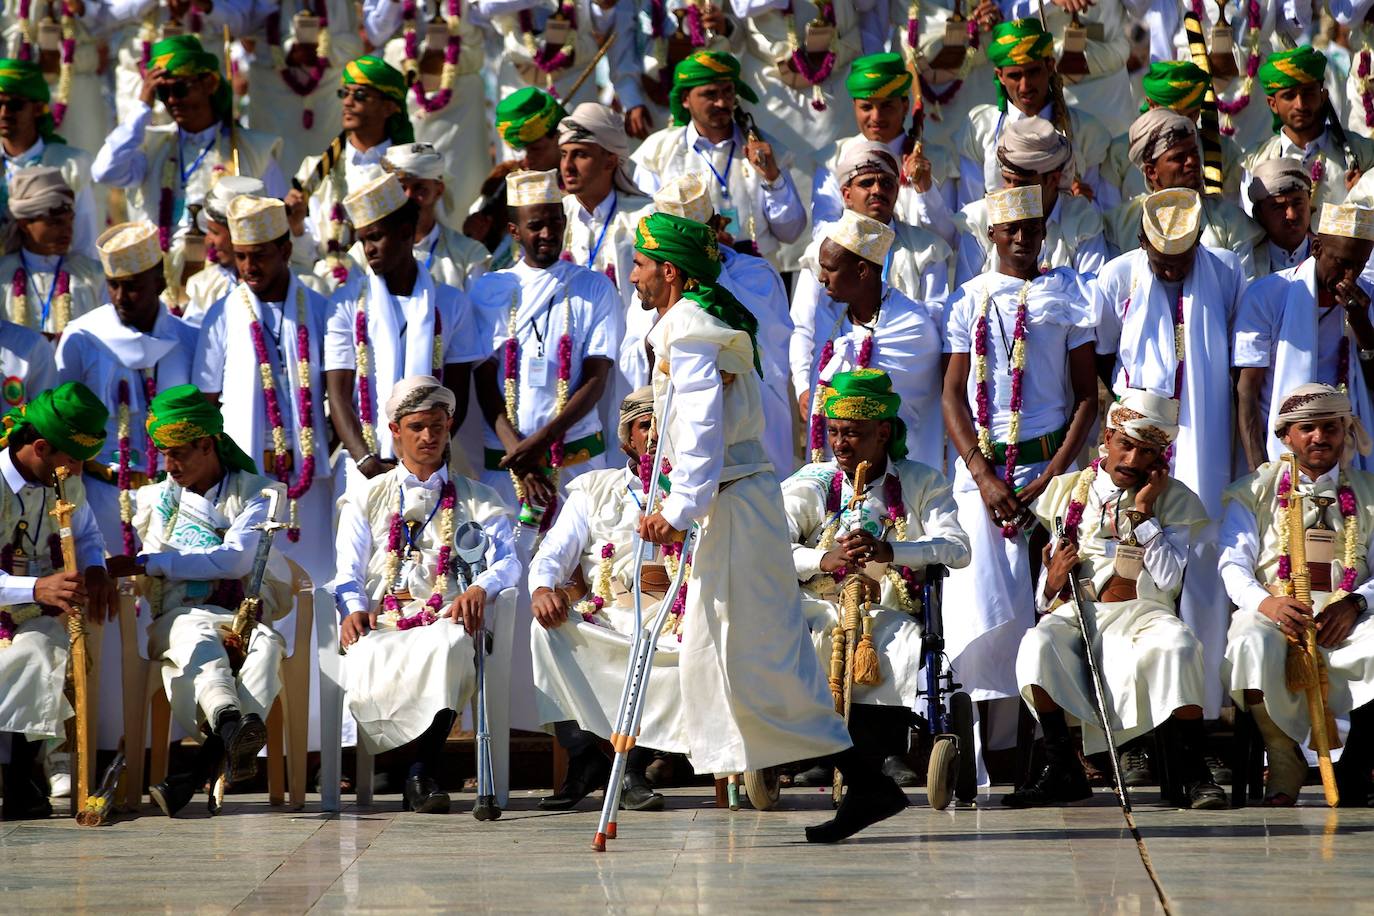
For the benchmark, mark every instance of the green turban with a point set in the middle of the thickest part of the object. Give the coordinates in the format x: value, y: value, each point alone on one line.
x: 702, y: 68
x: 1175, y: 84
x: 181, y: 415
x: 692, y: 248
x: 375, y: 73
x: 1016, y: 43
x: 866, y: 394
x: 1286, y: 69
x: 69, y: 416
x: 183, y: 56
x: 527, y: 115
x: 24, y: 79
x: 878, y: 76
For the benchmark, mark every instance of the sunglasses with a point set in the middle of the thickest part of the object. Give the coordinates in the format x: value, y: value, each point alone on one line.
x: 13, y: 104
x: 175, y: 90
x: 361, y: 96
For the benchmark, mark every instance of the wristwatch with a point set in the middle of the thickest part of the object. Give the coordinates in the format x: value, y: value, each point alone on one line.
x: 1360, y: 601
x: 1366, y: 356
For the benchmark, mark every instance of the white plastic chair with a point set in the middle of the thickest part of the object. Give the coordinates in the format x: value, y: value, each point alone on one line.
x: 501, y: 621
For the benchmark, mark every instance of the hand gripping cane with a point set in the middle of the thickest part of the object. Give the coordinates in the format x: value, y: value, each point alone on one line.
x: 643, y: 643
x: 469, y: 554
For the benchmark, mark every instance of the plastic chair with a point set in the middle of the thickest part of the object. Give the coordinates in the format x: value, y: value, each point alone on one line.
x: 287, y: 722
x: 501, y: 620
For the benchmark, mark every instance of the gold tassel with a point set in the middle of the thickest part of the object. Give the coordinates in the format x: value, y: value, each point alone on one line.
x: 866, y: 670
x: 1298, y: 675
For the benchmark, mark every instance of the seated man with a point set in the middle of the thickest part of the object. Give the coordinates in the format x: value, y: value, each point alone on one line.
x: 199, y: 528
x: 905, y: 523
x: 585, y: 565
x: 1150, y: 661
x: 1317, y: 426
x: 60, y: 428
x: 406, y: 626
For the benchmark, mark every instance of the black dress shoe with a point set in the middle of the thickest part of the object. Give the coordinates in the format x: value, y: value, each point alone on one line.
x: 900, y: 771
x: 814, y: 777
x: 25, y: 800
x: 635, y: 795
x: 862, y: 806
x: 243, y: 737
x: 422, y: 796
x: 1206, y: 796
x: 587, y: 772
x: 174, y: 792
x: 1135, y: 768
x: 1058, y: 784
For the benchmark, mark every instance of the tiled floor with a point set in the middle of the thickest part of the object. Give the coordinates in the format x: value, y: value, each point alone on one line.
x: 694, y: 858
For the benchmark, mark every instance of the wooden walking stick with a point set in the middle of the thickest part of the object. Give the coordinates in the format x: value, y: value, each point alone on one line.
x: 600, y: 53
x: 78, y: 662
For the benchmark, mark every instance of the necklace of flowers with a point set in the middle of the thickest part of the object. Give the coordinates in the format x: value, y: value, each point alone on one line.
x: 61, y: 298
x: 301, y: 85
x: 826, y: 13
x: 981, y: 340
x: 1254, y: 19
x: 511, y: 356
x: 333, y: 246
x: 590, y: 606
x: 449, y: 75
x: 362, y: 359
x: 546, y: 60
x: 1362, y: 70
x: 672, y: 553
x: 12, y: 617
x: 124, y: 478
x: 429, y: 613
x: 901, y: 578
x: 1350, y: 532
x: 913, y: 41
x: 64, y: 69
x: 304, y: 404
x: 816, y: 434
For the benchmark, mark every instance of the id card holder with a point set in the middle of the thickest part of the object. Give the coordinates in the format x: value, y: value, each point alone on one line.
x: 556, y: 31
x: 1321, y: 551
x: 1129, y: 561
x: 307, y: 28
x: 538, y: 371
x: 819, y: 36
x: 731, y: 217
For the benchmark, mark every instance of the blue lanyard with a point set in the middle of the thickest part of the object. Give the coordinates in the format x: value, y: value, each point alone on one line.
x: 887, y: 262
x: 429, y: 259
x: 23, y: 511
x: 52, y: 291
x: 722, y: 180
x: 410, y: 536
x: 181, y: 156
x: 615, y: 203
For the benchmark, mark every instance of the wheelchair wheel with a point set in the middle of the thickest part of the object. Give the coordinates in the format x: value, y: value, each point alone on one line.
x: 961, y: 722
x: 761, y: 786
x: 940, y: 775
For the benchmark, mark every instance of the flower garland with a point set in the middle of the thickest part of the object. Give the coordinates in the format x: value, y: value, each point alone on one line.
x: 333, y: 245
x: 511, y: 363
x: 545, y: 59
x: 362, y: 359
x: 304, y: 405
x: 301, y: 86
x: 27, y: 36
x: 672, y: 556
x: 901, y: 578
x: 1254, y: 19
x: 601, y: 595
x: 1078, y: 500
x: 429, y: 612
x: 62, y: 299
x: 982, y: 338
x: 816, y: 433
x: 449, y: 75
x: 798, y: 57
x: 1350, y: 532
x: 14, y: 616
x: 1362, y: 70
x: 64, y: 70
x: 124, y: 478
x: 913, y: 40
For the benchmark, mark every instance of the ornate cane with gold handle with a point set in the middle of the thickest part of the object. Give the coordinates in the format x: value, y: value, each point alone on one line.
x: 78, y: 661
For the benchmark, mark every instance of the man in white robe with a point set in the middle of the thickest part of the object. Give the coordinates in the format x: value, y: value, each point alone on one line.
x: 758, y: 696
x: 450, y: 256
x: 1310, y: 323
x: 1280, y: 193
x: 213, y: 281
x: 1144, y: 300
x: 1131, y: 565
x: 408, y: 620
x: 1316, y: 425
x: 270, y: 326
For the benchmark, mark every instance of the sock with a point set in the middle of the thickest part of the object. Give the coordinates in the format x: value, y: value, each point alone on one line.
x: 429, y: 747
x: 638, y: 761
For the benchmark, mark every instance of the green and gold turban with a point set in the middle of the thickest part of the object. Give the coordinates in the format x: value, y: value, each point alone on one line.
x: 878, y: 76
x: 527, y: 115
x: 181, y: 415
x: 24, y: 79
x: 1176, y: 84
x: 69, y: 416
x: 1286, y: 69
x: 375, y: 73
x: 692, y: 248
x: 702, y: 68
x: 1016, y: 43
x: 183, y: 56
x: 866, y: 394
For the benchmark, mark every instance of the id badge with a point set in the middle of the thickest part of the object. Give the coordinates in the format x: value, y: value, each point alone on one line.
x: 731, y: 216
x: 1129, y: 561
x: 1321, y: 551
x: 556, y: 31
x: 178, y: 210
x: 538, y: 371
x: 307, y: 28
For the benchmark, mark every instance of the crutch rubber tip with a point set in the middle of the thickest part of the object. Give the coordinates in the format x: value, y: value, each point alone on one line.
x: 610, y: 830
x: 599, y: 842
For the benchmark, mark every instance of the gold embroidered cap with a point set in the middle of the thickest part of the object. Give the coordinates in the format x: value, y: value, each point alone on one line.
x: 530, y: 189
x: 867, y: 238
x: 128, y: 249
x: 1171, y: 219
x: 686, y: 196
x: 1011, y: 205
x: 380, y: 197
x: 1347, y: 220
x: 1145, y: 417
x: 256, y: 220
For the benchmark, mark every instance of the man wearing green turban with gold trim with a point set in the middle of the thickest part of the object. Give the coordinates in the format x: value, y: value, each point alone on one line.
x: 1306, y: 128
x: 527, y: 121
x: 759, y: 700
x: 862, y: 425
x: 58, y: 429
x: 199, y: 530
x: 1023, y: 58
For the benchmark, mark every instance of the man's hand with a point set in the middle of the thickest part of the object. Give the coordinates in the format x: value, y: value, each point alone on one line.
x: 154, y: 77
x: 528, y: 454
x: 372, y: 466
x: 468, y: 608
x: 550, y: 607
x: 862, y: 547
x: 1352, y: 177
x: 916, y: 169
x: 538, y: 488
x: 60, y: 590
x: 1336, y: 621
x: 656, y: 530
x: 999, y: 498
x: 713, y: 20
x: 1352, y: 297
x: 122, y: 567
x: 1059, y: 567
x: 1073, y: 6
x: 296, y: 211
x: 760, y: 153
x: 804, y: 406
x: 638, y: 122
x: 1292, y: 616
x: 102, y: 602
x: 355, y: 626
x: 987, y: 14
x: 1156, y: 482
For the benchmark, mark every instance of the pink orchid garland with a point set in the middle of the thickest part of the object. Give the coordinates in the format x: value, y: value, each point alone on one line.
x: 441, y: 98
x: 1254, y: 18
x: 1346, y: 497
x: 802, y: 64
x: 913, y: 40
x: 150, y: 452
x: 565, y: 346
x: 25, y: 48
x: 1366, y: 97
x: 366, y: 411
x: 334, y: 248
x: 546, y: 59
x: 1285, y: 569
x: 123, y: 478
x: 304, y: 402
x: 896, y: 509
x: 429, y: 613
x: 301, y: 86
x: 1073, y: 518
x: 59, y: 109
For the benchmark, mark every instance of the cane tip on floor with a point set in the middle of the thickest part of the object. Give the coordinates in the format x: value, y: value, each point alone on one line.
x: 599, y: 843
x: 610, y: 830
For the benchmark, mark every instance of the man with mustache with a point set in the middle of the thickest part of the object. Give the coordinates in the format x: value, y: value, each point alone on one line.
x: 1123, y: 527
x: 1316, y: 424
x: 1280, y: 194
x: 210, y: 284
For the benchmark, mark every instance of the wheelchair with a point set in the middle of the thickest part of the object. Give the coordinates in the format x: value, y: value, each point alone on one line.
x: 944, y: 711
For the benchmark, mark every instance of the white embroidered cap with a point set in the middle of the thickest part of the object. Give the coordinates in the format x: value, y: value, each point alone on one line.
x: 686, y: 196
x: 256, y: 220
x: 419, y: 160
x: 1347, y: 220
x: 867, y: 238
x: 530, y: 189
x: 380, y: 197
x: 225, y: 189
x: 1172, y: 219
x: 1011, y: 205
x: 128, y: 249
